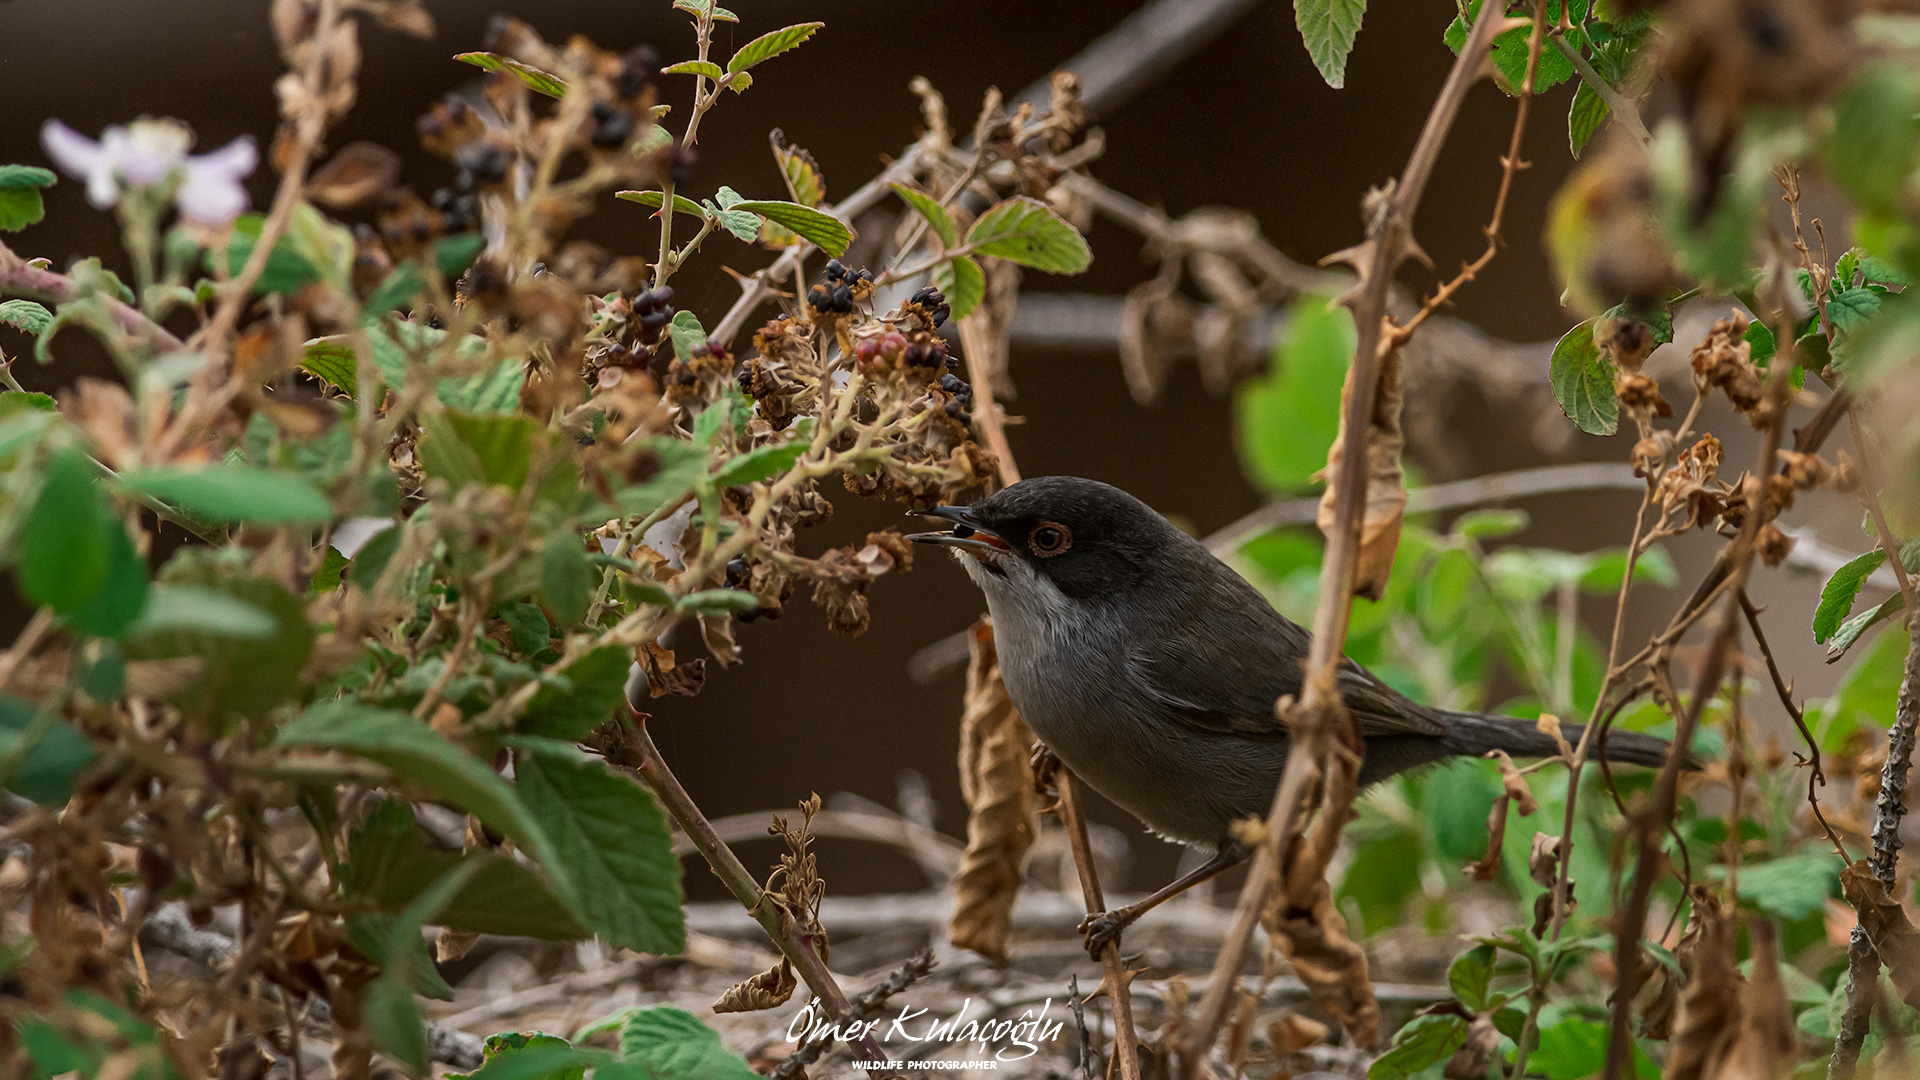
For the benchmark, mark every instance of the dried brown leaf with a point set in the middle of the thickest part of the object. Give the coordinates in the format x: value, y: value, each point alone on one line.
x: 1328, y: 961
x: 1707, y: 1017
x: 1293, y: 1033
x: 1487, y: 867
x: 1764, y: 1049
x: 766, y: 990
x: 1543, y: 860
x: 1386, y: 505
x: 1515, y: 784
x: 997, y: 780
x: 1471, y: 1060
x: 1887, y: 926
x: 359, y: 173
x: 1549, y: 725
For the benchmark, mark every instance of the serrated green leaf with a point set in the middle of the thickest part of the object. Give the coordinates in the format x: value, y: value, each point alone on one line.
x: 1589, y: 111
x: 688, y: 334
x: 767, y: 46
x: 531, y: 1055
x: 695, y: 67
x: 1328, y: 27
x: 804, y: 180
x: 544, y: 82
x: 1792, y: 887
x: 936, y: 215
x: 743, y: 224
x: 1838, y: 595
x: 821, y: 229
x: 1583, y: 382
x: 26, y: 315
x: 673, y: 1044
x: 566, y: 579
x: 26, y: 176
x: 288, y: 270
x: 963, y: 283
x: 13, y: 402
x: 1851, y: 630
x: 1028, y: 232
x: 1849, y: 309
x: 331, y: 359
x: 235, y: 493
x: 594, y: 691
x: 1658, y: 318
x: 763, y: 463
x: 415, y: 752
x: 1471, y: 977
x: 653, y: 198
x: 616, y: 867
x: 1423, y: 1042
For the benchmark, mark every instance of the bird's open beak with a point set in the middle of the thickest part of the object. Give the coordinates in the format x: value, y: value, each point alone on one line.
x: 967, y: 534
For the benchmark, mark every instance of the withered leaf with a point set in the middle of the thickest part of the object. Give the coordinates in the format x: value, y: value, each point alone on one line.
x: 996, y: 779
x: 1386, y: 504
x: 1887, y: 926
x: 766, y: 990
x: 1329, y: 962
x: 357, y: 175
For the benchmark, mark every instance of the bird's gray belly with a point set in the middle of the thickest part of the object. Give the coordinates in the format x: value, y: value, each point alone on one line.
x: 1185, y: 784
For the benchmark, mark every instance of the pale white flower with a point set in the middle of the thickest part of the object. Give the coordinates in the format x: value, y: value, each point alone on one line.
x: 148, y: 152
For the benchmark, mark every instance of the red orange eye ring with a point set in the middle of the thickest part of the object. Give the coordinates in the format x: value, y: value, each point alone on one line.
x: 1049, y: 538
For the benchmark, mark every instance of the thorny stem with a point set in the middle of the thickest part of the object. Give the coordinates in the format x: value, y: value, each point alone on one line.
x: 1390, y: 235
x: 1817, y: 777
x: 1126, y: 1049
x: 731, y: 872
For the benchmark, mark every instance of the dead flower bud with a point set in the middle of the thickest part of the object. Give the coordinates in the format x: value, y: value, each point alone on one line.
x: 451, y: 125
x: 1640, y: 394
x: 359, y: 173
x: 1805, y: 471
x: 1650, y: 453
x: 1626, y: 340
x: 1725, y: 360
x: 886, y: 550
x: 1774, y: 545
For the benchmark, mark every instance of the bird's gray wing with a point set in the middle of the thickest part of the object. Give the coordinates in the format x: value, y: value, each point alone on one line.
x: 1224, y: 656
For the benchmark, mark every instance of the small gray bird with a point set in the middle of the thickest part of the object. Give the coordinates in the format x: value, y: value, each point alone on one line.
x: 1150, y: 668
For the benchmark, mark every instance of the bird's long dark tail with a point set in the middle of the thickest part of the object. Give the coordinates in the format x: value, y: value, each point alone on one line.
x: 1477, y: 733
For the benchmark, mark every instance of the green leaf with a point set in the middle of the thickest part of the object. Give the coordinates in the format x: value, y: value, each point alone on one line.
x: 1606, y: 568
x: 371, y: 933
x: 673, y: 1044
x: 1383, y: 876
x: 1589, y: 111
x: 1027, y: 231
x: 1658, y: 318
x: 200, y: 610
x: 963, y: 283
x: 823, y: 230
x: 766, y: 462
x: 1792, y: 887
x: 235, y: 493
x: 26, y: 315
x: 695, y: 67
x: 40, y: 757
x: 331, y: 359
x: 392, y: 1014
x: 1760, y: 342
x: 936, y: 215
x: 615, y: 862
x: 1471, y: 977
x: 121, y: 596
x: 333, y: 568
x: 240, y: 675
x: 396, y: 291
x: 1871, y: 150
x: 1849, y: 309
x: 688, y: 334
x: 1583, y: 382
x: 66, y: 541
x: 372, y: 558
x: 536, y: 80
x: 1285, y: 422
x: 417, y: 753
x: 13, y: 402
x: 566, y: 579
x: 1425, y: 1041
x: 767, y: 46
x: 1490, y: 524
x: 453, y: 254
x: 502, y: 446
x: 719, y: 602
x: 1876, y: 269
x: 1851, y: 630
x: 1572, y: 1049
x: 1328, y: 28
x: 531, y: 1055
x: 287, y: 270
x: 389, y: 864
x: 652, y: 198
x: 744, y: 225
x: 20, y: 202
x: 594, y: 690
x: 1836, y: 599
x: 529, y: 627
x: 680, y: 465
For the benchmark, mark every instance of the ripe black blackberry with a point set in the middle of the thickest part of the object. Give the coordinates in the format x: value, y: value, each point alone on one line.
x: 934, y: 303
x: 612, y: 125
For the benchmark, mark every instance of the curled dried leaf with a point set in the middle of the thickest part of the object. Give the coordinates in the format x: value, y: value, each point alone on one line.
x: 1386, y: 504
x: 997, y: 780
x: 1515, y: 784
x: 1333, y: 967
x: 1887, y: 926
x: 768, y: 989
x: 1293, y: 1033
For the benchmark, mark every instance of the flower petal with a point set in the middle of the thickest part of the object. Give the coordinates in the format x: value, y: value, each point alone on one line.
x: 234, y: 161
x: 83, y: 159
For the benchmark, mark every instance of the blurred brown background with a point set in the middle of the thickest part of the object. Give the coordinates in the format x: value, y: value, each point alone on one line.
x: 1245, y: 121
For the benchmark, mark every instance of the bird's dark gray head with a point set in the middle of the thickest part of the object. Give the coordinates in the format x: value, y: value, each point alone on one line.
x: 1085, y: 538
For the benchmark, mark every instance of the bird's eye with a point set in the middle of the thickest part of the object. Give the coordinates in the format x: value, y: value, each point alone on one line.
x: 1049, y: 538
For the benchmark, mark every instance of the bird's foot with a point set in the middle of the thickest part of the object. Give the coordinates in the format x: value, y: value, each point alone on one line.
x: 1046, y: 770
x: 1102, y: 927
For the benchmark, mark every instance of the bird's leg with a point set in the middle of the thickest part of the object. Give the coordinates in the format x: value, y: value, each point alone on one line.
x: 1100, y: 928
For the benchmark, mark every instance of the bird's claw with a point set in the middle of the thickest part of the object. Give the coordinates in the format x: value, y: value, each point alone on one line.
x: 1102, y: 927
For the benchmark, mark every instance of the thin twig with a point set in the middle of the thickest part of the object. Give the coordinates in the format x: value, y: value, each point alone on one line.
x: 1126, y: 1049
x: 1817, y: 778
x: 1390, y: 237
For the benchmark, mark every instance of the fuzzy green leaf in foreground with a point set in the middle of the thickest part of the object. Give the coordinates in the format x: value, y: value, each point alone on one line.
x: 616, y: 867
x: 65, y: 542
x: 767, y: 46
x: 26, y: 315
x: 236, y: 493
x: 416, y: 752
x: 1328, y: 28
x: 1583, y: 382
x: 927, y: 207
x: 1836, y: 599
x: 196, y: 609
x: 20, y: 202
x: 823, y: 230
x: 963, y: 283
x: 540, y: 81
x: 766, y: 462
x: 331, y: 359
x: 594, y: 691
x: 1027, y: 231
x: 673, y: 1044
x: 40, y: 757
